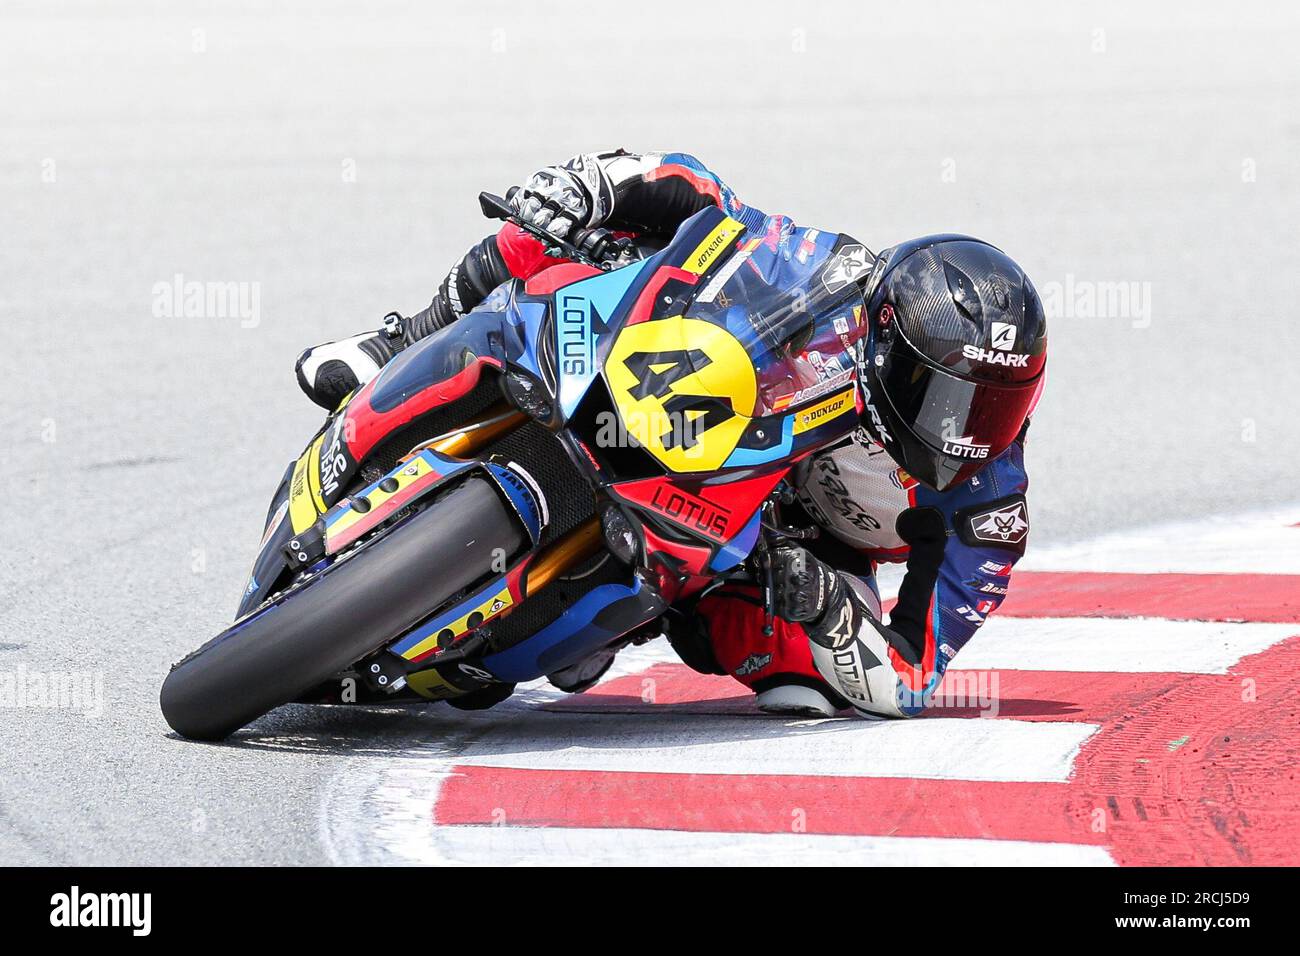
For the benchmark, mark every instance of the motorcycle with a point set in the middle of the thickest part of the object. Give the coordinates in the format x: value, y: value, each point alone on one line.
x: 541, y: 480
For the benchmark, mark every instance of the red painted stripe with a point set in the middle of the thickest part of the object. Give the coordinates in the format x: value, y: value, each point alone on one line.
x: 659, y: 687
x: 1262, y: 598
x: 1180, y: 597
x: 1187, y: 769
x: 859, y: 806
x: 1021, y: 695
x: 1203, y: 773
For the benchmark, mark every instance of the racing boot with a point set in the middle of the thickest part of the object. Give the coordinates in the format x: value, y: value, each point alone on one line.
x: 328, y: 373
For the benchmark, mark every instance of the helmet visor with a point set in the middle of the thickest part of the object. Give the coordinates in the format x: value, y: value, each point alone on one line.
x: 965, y: 424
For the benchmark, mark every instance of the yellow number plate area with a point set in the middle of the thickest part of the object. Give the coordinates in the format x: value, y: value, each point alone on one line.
x: 820, y: 414
x: 685, y: 390
x: 714, y: 243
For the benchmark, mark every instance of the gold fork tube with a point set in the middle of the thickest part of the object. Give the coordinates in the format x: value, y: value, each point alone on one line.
x: 494, y: 422
x: 563, y: 555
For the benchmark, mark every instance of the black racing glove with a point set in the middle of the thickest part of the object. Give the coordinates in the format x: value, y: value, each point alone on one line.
x: 811, y: 593
x: 806, y: 589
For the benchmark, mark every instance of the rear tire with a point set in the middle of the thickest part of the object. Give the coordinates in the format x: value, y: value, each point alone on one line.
x: 350, y: 610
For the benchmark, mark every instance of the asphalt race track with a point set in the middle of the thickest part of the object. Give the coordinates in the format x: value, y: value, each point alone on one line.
x: 1142, y: 165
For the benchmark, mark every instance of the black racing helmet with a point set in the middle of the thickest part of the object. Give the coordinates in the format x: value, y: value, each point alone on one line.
x: 955, y: 358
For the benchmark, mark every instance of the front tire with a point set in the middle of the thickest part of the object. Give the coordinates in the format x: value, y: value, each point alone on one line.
x: 353, y: 608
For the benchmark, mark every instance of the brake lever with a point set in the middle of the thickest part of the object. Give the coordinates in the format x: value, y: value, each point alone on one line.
x: 785, y: 495
x: 494, y: 207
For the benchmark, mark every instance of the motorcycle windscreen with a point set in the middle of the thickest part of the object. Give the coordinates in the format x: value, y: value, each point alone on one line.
x: 774, y: 314
x: 965, y: 423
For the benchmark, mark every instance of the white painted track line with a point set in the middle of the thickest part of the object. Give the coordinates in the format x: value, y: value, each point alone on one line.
x: 1262, y: 542
x: 549, y: 846
x: 685, y: 743
x: 1123, y: 645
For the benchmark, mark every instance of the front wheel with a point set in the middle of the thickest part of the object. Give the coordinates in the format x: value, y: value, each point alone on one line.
x: 351, y: 609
